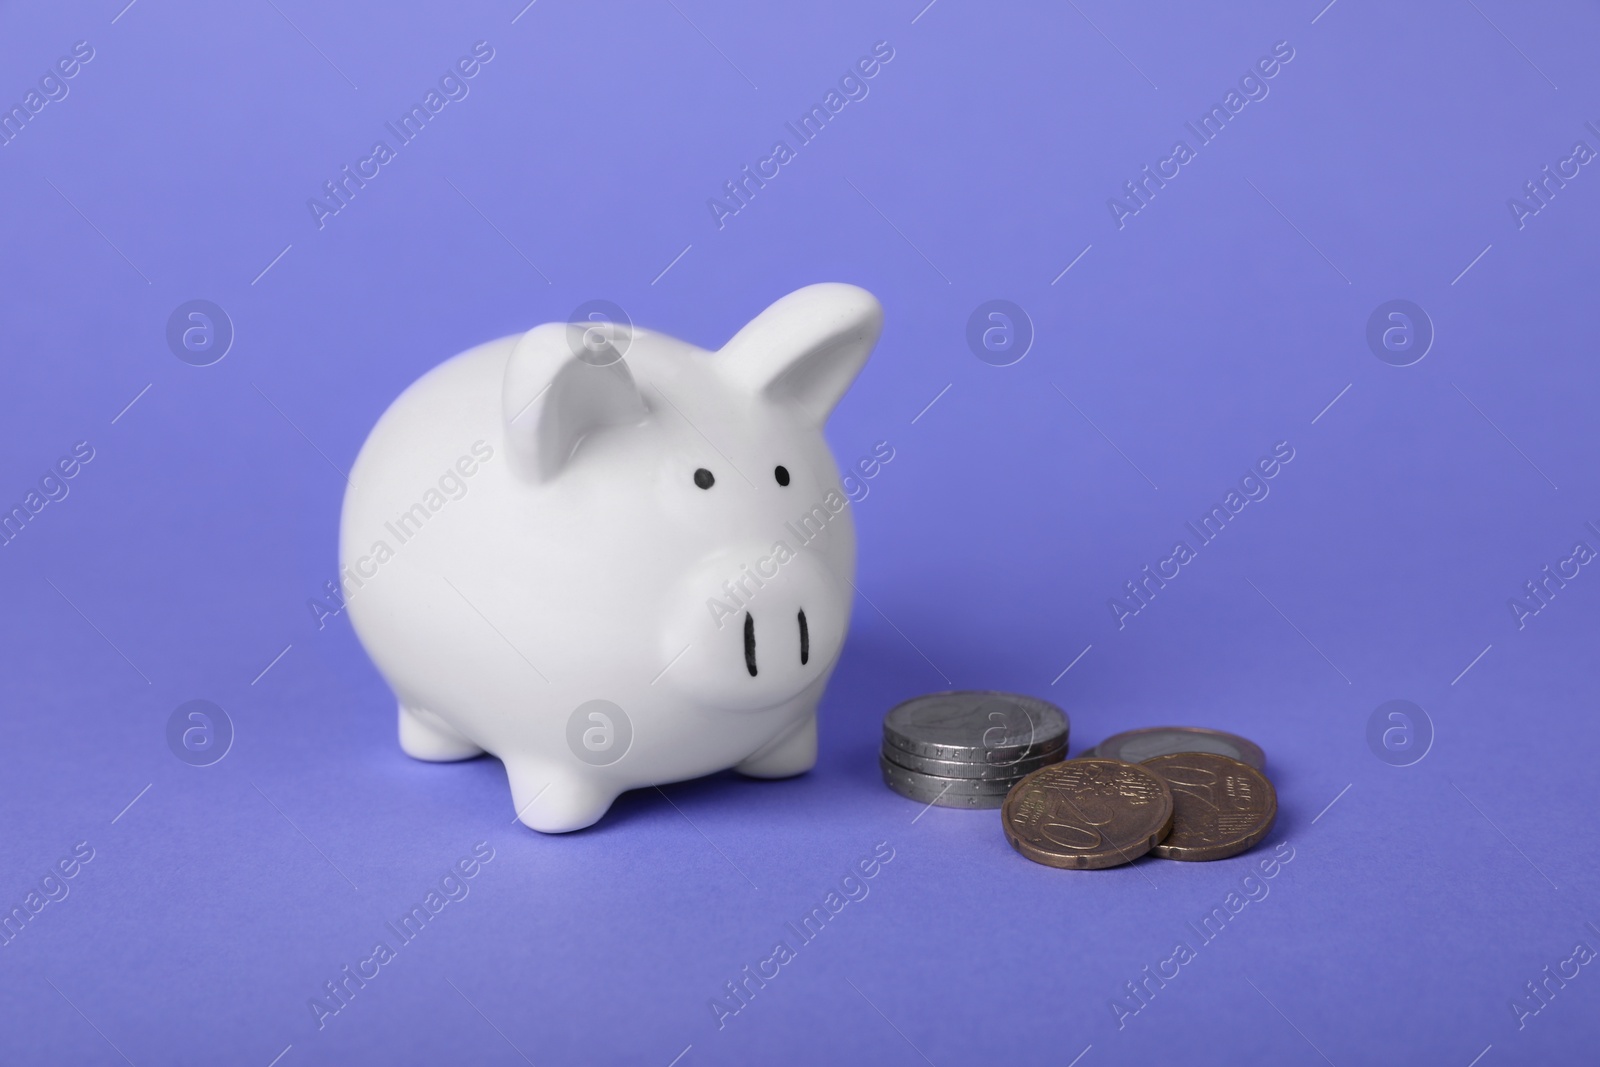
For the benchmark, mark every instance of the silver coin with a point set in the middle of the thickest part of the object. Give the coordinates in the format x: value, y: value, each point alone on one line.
x: 976, y: 727
x: 1009, y: 772
x: 945, y: 792
x: 1136, y: 746
x: 938, y: 782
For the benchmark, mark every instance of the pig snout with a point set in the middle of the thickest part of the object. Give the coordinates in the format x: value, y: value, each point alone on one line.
x: 750, y: 660
x: 751, y: 630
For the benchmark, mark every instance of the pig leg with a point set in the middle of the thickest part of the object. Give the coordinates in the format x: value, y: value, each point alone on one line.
x: 556, y: 800
x: 425, y: 736
x: 793, y: 753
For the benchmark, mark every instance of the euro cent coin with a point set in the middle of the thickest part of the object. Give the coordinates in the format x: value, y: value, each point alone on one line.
x: 1136, y: 746
x: 976, y: 727
x: 1221, y: 807
x: 1087, y: 813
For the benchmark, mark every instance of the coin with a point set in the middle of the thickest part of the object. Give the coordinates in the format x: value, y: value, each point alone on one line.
x: 993, y: 772
x: 965, y: 785
x: 1087, y: 813
x: 1136, y: 746
x: 1221, y: 807
x: 948, y: 792
x: 945, y: 792
x: 975, y: 727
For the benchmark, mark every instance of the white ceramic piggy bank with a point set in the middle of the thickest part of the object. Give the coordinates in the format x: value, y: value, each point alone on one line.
x: 610, y: 558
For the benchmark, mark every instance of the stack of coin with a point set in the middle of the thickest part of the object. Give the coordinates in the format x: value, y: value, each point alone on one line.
x: 1194, y: 795
x: 967, y: 749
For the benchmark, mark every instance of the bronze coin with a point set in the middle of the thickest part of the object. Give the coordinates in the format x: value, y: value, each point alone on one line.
x: 1087, y: 813
x: 1137, y: 746
x: 1222, y: 807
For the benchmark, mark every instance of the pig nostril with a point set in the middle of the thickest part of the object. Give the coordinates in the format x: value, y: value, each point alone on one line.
x: 750, y: 643
x: 805, y: 639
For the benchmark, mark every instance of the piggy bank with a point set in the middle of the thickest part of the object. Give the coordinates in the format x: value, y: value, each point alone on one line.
x: 610, y: 558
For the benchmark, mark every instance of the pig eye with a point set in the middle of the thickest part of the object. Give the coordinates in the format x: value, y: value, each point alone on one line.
x: 704, y: 478
x: 782, y: 474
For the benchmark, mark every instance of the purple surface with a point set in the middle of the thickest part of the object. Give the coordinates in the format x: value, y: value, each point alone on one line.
x: 1228, y: 314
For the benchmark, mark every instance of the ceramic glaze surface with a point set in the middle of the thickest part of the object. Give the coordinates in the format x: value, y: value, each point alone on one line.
x: 610, y: 558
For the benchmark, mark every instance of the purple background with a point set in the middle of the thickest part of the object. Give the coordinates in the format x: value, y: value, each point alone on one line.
x: 1226, y: 316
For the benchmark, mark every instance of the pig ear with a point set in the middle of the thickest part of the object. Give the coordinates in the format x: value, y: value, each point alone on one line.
x: 805, y: 350
x: 552, y: 399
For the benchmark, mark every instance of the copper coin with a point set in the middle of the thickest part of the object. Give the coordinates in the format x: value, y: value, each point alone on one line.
x: 1087, y: 813
x: 1136, y: 746
x: 1221, y: 807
